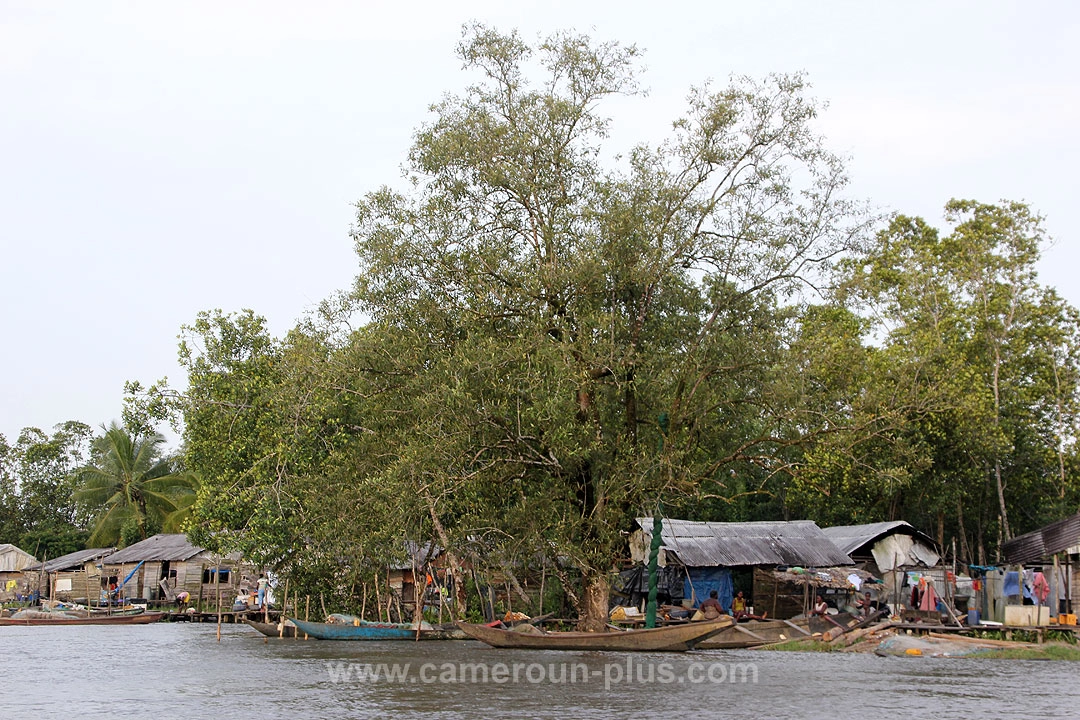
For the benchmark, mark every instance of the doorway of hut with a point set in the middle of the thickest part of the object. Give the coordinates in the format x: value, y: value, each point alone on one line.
x: 166, y: 582
x: 742, y: 580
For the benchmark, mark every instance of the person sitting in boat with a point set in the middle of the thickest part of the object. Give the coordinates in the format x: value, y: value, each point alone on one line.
x: 711, y: 607
x: 740, y: 611
x: 820, y: 607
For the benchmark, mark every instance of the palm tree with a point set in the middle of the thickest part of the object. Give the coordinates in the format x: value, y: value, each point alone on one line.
x: 130, y: 482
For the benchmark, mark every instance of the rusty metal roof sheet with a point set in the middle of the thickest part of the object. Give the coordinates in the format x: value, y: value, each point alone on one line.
x: 850, y: 538
x: 171, y: 547
x: 710, y: 544
x: 1043, y: 543
x: 73, y: 560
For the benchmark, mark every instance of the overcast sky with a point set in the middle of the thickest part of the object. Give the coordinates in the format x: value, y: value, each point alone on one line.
x: 158, y: 159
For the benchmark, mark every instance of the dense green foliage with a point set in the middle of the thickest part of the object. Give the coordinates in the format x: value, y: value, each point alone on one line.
x: 131, y: 490
x: 37, y: 509
x: 63, y: 492
x: 547, y: 337
x: 540, y: 345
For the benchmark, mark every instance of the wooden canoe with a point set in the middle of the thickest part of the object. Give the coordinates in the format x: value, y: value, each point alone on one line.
x: 370, y: 631
x: 671, y: 638
x: 271, y: 629
x: 139, y: 619
x: 756, y: 632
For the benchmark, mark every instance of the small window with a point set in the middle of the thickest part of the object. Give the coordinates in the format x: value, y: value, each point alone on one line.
x: 209, y: 575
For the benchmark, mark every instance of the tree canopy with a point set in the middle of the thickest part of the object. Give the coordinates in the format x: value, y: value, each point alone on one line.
x: 547, y: 337
x: 131, y: 490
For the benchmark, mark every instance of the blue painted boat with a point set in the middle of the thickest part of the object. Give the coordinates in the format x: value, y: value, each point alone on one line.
x: 362, y: 630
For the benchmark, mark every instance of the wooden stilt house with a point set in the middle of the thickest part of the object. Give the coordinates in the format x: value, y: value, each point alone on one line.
x: 159, y: 567
x: 75, y: 577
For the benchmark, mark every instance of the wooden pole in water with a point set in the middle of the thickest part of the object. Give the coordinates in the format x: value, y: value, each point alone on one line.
x: 418, y: 601
x: 284, y: 607
x: 217, y: 591
x: 307, y: 607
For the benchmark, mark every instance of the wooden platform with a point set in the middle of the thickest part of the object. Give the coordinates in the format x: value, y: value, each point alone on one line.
x: 226, y: 616
x: 1007, y: 630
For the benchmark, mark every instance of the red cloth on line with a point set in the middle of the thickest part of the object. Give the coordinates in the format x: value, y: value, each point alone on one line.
x: 1040, y: 588
x: 929, y: 599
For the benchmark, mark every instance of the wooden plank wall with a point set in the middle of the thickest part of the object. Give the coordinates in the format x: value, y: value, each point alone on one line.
x: 789, y: 597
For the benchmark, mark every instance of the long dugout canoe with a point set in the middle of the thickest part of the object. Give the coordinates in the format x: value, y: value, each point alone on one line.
x: 140, y: 619
x: 671, y: 638
x: 370, y: 631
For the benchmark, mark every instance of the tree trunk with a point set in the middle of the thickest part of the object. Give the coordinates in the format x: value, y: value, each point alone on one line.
x: 457, y: 609
x: 997, y: 461
x: 594, y: 606
x: 941, y: 530
x: 1001, y: 501
x: 965, y: 551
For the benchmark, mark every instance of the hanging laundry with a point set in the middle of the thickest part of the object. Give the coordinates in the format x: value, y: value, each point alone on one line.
x: 1011, y: 586
x: 1040, y: 588
x: 929, y: 601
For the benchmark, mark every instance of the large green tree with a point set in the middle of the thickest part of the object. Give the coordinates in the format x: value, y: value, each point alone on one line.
x: 131, y: 489
x: 36, y: 488
x: 985, y: 363
x: 560, y: 338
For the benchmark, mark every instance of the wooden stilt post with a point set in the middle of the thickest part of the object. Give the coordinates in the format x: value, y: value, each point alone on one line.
x: 217, y: 591
x: 284, y: 607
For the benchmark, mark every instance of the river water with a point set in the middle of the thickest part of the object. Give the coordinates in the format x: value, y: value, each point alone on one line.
x: 182, y: 671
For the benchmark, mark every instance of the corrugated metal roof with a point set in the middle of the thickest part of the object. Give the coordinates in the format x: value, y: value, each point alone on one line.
x: 159, y: 547
x: 850, y: 538
x: 712, y: 544
x: 1041, y: 544
x: 73, y: 560
x: 14, y: 559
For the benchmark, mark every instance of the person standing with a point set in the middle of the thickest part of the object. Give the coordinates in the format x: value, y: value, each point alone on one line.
x: 262, y: 584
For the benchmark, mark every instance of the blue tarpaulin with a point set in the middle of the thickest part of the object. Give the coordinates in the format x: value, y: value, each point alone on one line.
x: 703, y: 580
